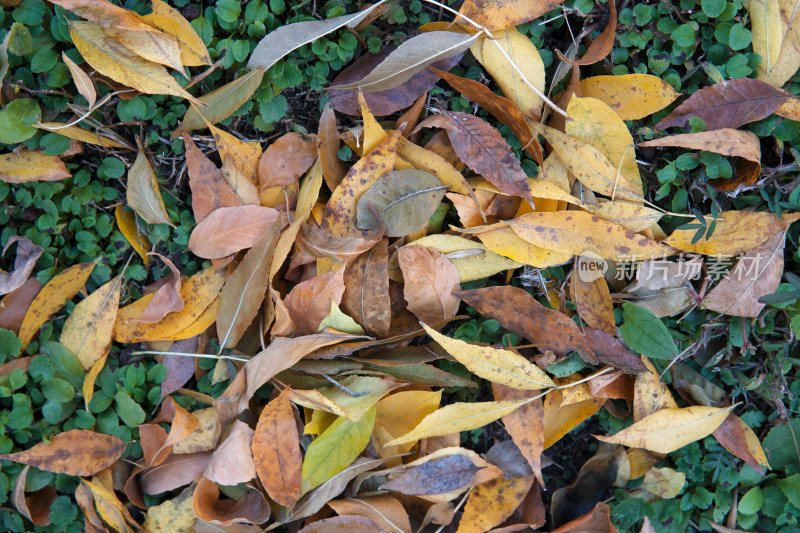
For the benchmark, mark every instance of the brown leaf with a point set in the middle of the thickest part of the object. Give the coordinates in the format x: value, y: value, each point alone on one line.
x: 491, y: 503
x: 104, y: 13
x: 430, y: 279
x: 179, y: 369
x: 756, y: 274
x: 85, y: 500
x: 276, y: 451
x: 310, y: 301
x: 520, y: 313
x: 387, y: 102
x: 726, y: 141
x: 314, y: 242
x: 500, y: 14
x: 227, y: 230
x: 745, y: 174
x: 27, y: 255
x: 740, y: 440
x: 35, y: 506
x: 601, y: 46
x: 728, y: 104
x: 525, y: 425
x: 333, y: 169
x: 232, y: 461
x: 343, y: 524
x: 384, y: 510
x: 366, y: 293
x: 76, y: 452
x: 244, y: 290
x: 23, y: 165
x: 184, y: 424
x: 23, y: 363
x: 439, y: 476
x: 286, y: 159
x: 597, y: 521
x: 501, y: 108
x: 210, y: 191
x: 178, y: 470
x: 15, y: 304
x: 251, y: 509
x: 484, y: 150
x: 167, y: 298
x: 593, y: 300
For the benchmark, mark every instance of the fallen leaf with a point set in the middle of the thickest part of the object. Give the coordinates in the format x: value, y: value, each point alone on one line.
x: 343, y: 524
x: 650, y: 393
x: 776, y: 38
x: 23, y: 166
x: 143, y: 195
x: 597, y: 521
x: 384, y: 510
x: 34, y: 506
x: 757, y: 273
x: 726, y: 141
x: 167, y: 298
x: 496, y: 365
x: 24, y: 262
x: 439, y: 476
x: 403, y: 199
x: 631, y: 96
x: 497, y: 15
x: 741, y: 441
x: 250, y: 509
x: 429, y: 161
x: 490, y: 504
x: 560, y: 419
x: 128, y: 225
x: 82, y: 80
x: 668, y: 430
x: 221, y: 102
x: 602, y: 45
x: 525, y: 425
x: 593, y: 301
x: 227, y: 230
x: 663, y: 482
x: 232, y: 462
x: 430, y: 280
x: 52, y: 297
x: 286, y: 159
x: 244, y: 290
x: 309, y: 302
x: 76, y: 452
x: 97, y: 137
x: 171, y: 516
x: 87, y: 331
x: 152, y: 45
x: 728, y: 104
x: 170, y: 21
x: 176, y: 471
x: 290, y: 37
x: 484, y: 150
x: 520, y: 313
x: 411, y: 57
x: 366, y: 293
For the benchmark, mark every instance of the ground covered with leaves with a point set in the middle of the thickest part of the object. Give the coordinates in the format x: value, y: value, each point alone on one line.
x: 491, y: 265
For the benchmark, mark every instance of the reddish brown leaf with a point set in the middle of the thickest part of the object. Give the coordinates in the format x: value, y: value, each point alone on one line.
x: 593, y: 300
x: 726, y: 141
x: 601, y: 46
x: 232, y: 461
x: 728, y: 104
x: 484, y: 150
x: 598, y: 521
x: 383, y: 103
x: 229, y: 229
x: 384, y: 510
x: 178, y: 470
x: 610, y: 351
x: 167, y: 298
x: 23, y: 363
x: 251, y: 509
x: 314, y: 242
x: 525, y: 425
x: 180, y: 369
x: 501, y: 108
x: 276, y: 451
x: 740, y: 440
x: 519, y: 312
x: 333, y: 169
x: 36, y: 505
x: 366, y: 294
x: 285, y: 160
x: 77, y: 452
x: 430, y: 279
x: 15, y: 304
x: 310, y: 301
x: 210, y: 191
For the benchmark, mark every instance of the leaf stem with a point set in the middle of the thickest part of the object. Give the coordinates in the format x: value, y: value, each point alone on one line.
x: 199, y: 355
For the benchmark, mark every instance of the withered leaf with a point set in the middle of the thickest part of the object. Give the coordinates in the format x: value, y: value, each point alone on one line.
x: 366, y: 290
x: 435, y: 477
x: 76, y: 452
x: 251, y: 509
x: 209, y: 189
x: 285, y: 160
x: 310, y: 301
x: 430, y: 279
x: 227, y: 230
x: 24, y: 262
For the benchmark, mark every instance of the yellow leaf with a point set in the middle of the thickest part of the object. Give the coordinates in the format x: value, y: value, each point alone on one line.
x: 198, y: 293
x: 126, y: 222
x: 560, y: 419
x: 491, y: 503
x: 429, y: 161
x: 472, y: 259
x: 243, y: 155
x: 153, y: 46
x: 52, y: 297
x: 498, y: 366
x: 90, y: 378
x: 590, y: 166
x: 521, y: 50
x: 23, y: 165
x: 202, y: 323
x: 116, y: 61
x: 401, y: 412
x: 87, y: 331
x: 172, y: 515
x: 650, y: 394
x: 596, y: 124
x: 340, y: 321
x: 82, y: 80
x: 663, y: 482
x: 631, y: 96
x: 222, y: 102
x: 143, y: 194
x: 776, y: 38
x: 577, y: 232
x: 80, y: 134
x: 501, y: 239
x: 668, y: 430
x: 736, y: 232
x: 170, y: 21
x: 457, y: 417
x: 335, y: 400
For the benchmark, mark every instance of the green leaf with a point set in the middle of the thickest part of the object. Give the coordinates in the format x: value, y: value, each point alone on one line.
x: 65, y: 364
x: 752, y: 501
x: 58, y: 390
x: 740, y: 37
x: 404, y: 199
x: 16, y: 118
x: 646, y: 334
x: 10, y: 345
x: 781, y: 445
x: 128, y: 410
x: 713, y: 8
x: 791, y: 488
x: 335, y: 449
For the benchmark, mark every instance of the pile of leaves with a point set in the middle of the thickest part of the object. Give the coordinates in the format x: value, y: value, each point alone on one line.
x: 301, y: 359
